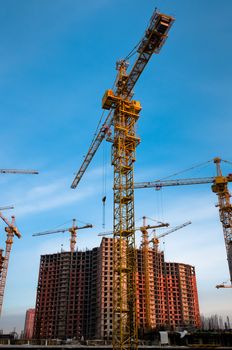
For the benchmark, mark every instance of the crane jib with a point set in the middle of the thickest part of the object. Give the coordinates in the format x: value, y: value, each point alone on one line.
x: 177, y: 182
x: 153, y: 40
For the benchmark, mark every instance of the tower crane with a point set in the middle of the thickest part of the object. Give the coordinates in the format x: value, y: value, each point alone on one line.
x: 123, y: 114
x: 155, y: 239
x: 220, y: 187
x: 72, y: 230
x: 145, y: 251
x: 11, y: 231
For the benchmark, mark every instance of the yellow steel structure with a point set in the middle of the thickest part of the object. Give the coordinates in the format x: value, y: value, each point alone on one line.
x: 123, y: 115
x: 146, y: 270
x: 220, y: 187
x: 126, y: 113
x: 72, y: 230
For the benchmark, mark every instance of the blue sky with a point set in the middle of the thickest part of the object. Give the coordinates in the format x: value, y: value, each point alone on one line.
x: 57, y: 59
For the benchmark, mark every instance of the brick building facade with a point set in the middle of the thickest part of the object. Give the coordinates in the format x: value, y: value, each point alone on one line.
x: 29, y: 324
x: 75, y: 296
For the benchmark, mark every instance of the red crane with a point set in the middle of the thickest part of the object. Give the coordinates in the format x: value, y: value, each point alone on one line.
x: 11, y: 231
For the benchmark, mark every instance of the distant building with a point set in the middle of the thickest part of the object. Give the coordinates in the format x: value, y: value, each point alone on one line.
x: 29, y: 324
x: 75, y: 296
x: 215, y: 323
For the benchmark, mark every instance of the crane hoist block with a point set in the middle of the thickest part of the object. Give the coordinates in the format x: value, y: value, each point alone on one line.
x: 109, y: 100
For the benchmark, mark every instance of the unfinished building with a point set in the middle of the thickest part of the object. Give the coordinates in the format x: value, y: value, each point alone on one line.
x: 67, y: 295
x: 75, y: 295
x: 29, y: 324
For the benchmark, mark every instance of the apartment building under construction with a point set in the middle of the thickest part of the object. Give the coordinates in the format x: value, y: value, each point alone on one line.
x: 74, y: 294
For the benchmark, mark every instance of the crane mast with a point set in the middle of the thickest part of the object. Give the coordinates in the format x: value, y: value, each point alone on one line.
x: 123, y: 115
x: 220, y: 187
x: 146, y: 270
x: 124, y: 254
x: 11, y: 231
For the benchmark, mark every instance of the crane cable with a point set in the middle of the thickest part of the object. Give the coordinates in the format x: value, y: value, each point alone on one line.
x: 193, y: 167
x: 185, y: 170
x: 133, y: 51
x: 226, y: 161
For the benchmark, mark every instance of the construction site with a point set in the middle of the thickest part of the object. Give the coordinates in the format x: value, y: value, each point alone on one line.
x: 121, y: 293
x: 76, y: 300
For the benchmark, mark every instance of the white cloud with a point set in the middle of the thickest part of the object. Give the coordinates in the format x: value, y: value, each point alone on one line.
x: 48, y: 196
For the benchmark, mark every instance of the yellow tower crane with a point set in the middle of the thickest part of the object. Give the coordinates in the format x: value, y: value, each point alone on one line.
x: 123, y: 115
x: 220, y: 187
x: 11, y: 231
x: 72, y: 230
x: 155, y: 239
x: 146, y: 271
